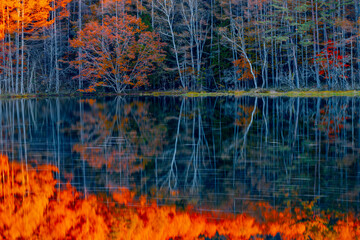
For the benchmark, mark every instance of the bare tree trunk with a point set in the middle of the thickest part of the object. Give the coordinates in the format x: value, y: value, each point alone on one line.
x: 315, y: 42
x: 57, y: 77
x: 22, y: 50
x: 80, y: 49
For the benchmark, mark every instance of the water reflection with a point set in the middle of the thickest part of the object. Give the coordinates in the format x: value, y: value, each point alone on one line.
x: 31, y: 207
x: 213, y: 153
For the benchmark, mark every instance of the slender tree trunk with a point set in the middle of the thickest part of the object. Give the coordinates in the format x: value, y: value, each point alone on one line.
x: 315, y: 42
x: 80, y: 49
x: 22, y: 50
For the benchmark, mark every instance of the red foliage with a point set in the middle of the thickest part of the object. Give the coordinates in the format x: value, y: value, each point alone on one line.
x: 330, y: 60
x: 332, y: 124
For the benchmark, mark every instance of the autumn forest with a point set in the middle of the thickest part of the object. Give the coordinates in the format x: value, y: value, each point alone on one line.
x: 54, y: 46
x: 180, y: 119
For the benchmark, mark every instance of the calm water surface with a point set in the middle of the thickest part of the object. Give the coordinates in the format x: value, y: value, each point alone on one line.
x: 218, y: 154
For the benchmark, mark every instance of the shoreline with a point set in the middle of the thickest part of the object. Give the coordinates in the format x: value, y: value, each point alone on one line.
x: 180, y: 93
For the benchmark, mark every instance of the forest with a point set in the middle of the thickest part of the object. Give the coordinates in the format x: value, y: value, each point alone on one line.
x: 61, y: 46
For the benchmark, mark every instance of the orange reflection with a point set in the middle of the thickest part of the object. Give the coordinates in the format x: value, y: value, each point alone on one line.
x: 32, y: 207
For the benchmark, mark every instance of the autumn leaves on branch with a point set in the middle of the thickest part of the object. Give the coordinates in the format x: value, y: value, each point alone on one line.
x: 69, y: 45
x: 32, y: 207
x: 21, y: 21
x: 117, y: 50
x: 26, y: 15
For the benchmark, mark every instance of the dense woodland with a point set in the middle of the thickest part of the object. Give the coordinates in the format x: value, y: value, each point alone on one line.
x: 116, y: 45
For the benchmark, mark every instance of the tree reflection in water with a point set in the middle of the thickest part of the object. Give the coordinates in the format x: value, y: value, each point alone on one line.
x: 31, y: 207
x: 215, y: 154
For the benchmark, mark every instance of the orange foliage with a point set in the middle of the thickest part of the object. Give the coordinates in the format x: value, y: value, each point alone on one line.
x: 244, y: 115
x: 31, y: 207
x: 142, y: 222
x: 92, y: 87
x: 243, y: 69
x: 121, y: 51
x: 24, y: 196
x: 10, y: 57
x: 90, y: 101
x: 26, y: 14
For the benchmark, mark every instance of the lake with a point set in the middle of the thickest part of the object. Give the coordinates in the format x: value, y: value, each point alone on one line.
x: 218, y: 154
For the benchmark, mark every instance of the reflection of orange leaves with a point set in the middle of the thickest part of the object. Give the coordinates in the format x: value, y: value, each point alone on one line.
x: 243, y: 227
x: 174, y: 193
x: 91, y: 102
x: 23, y: 198
x: 138, y: 143
x: 332, y: 124
x: 288, y: 225
x: 349, y: 229
x: 31, y: 207
x: 123, y: 196
x: 74, y: 218
x: 161, y: 223
x: 244, y: 115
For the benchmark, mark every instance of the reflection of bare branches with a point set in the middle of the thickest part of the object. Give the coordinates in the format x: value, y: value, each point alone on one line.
x: 186, y: 161
x: 296, y: 121
x: 171, y: 177
x: 198, y: 154
x: 194, y: 159
x: 265, y: 120
x: 248, y: 128
x: 244, y: 138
